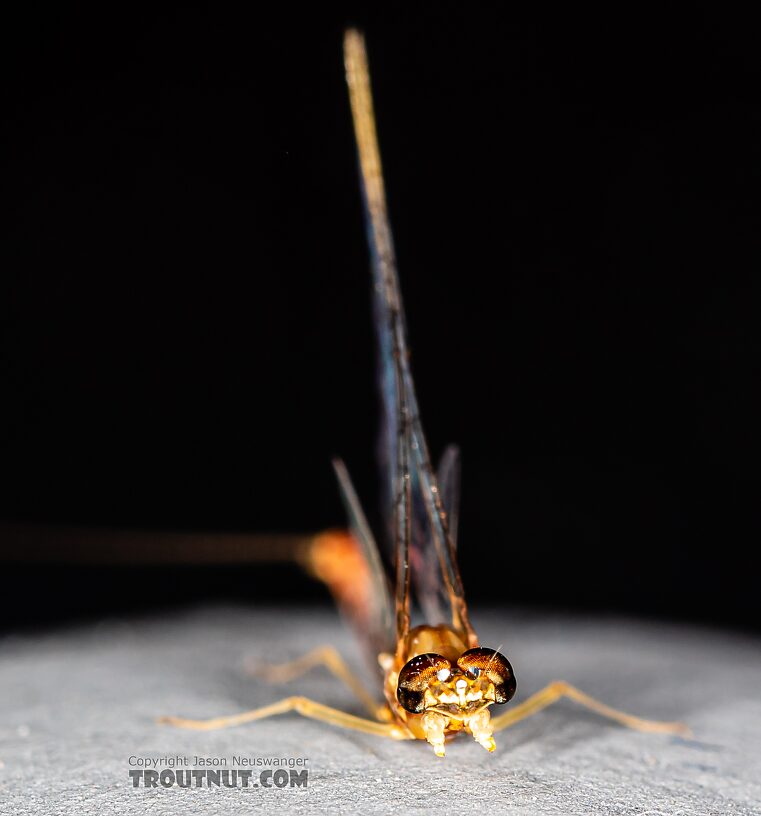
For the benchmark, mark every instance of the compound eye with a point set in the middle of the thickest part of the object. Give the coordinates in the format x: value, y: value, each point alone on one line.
x: 493, y: 666
x: 417, y: 675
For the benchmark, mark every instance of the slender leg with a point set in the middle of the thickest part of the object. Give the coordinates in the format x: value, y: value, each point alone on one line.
x: 301, y: 705
x: 559, y: 688
x: 328, y: 657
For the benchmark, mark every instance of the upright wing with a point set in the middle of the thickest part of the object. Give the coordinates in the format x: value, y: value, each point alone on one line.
x: 407, y: 464
x: 364, y: 595
x: 426, y: 576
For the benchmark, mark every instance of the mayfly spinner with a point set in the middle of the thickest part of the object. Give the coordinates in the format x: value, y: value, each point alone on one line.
x: 438, y: 680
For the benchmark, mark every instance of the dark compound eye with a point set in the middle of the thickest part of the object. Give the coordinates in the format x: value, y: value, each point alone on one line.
x: 492, y: 665
x: 416, y: 676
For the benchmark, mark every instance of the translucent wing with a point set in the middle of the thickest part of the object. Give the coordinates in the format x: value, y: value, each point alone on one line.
x: 449, y: 488
x: 405, y: 459
x: 365, y: 596
x: 429, y: 588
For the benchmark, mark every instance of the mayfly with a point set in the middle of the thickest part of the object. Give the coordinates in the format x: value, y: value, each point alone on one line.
x: 437, y: 679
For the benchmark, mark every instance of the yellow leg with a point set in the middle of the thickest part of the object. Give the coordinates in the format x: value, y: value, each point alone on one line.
x: 303, y: 706
x: 328, y: 657
x: 559, y: 688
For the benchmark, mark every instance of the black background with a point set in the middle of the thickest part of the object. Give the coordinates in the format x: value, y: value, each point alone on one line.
x: 186, y: 330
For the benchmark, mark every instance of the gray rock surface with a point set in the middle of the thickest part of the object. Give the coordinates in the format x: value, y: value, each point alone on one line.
x: 79, y: 702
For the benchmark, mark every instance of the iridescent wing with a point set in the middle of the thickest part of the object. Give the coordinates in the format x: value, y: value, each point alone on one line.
x: 449, y: 488
x: 408, y: 475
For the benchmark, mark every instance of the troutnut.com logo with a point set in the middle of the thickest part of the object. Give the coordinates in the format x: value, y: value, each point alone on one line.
x: 241, y: 772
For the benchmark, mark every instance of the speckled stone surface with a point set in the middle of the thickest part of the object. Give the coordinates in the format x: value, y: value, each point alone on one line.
x: 79, y: 702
